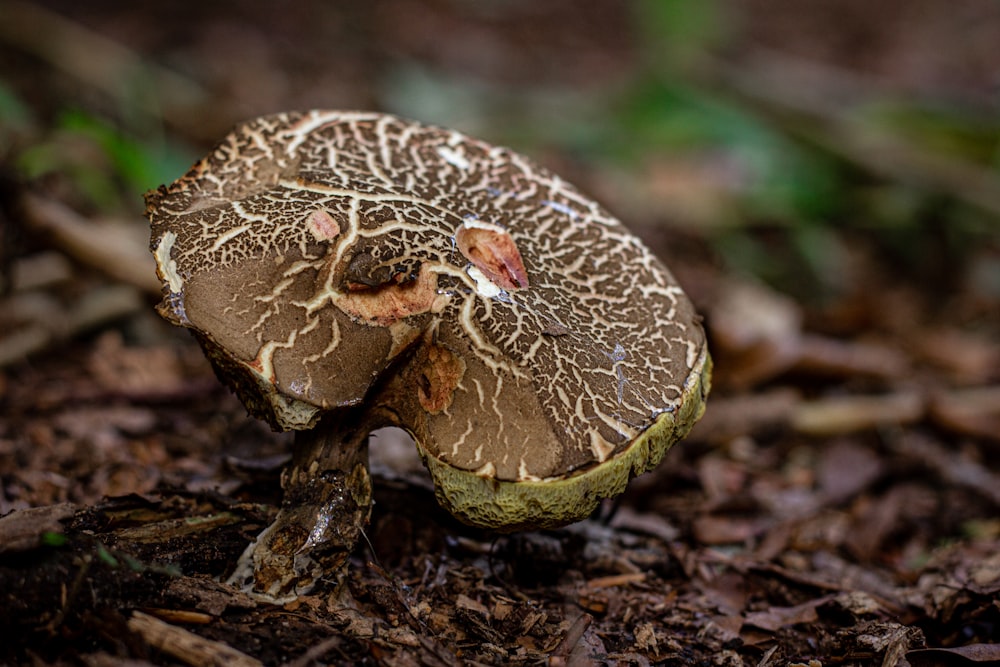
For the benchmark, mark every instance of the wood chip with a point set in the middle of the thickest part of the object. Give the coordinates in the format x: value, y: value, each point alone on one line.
x: 617, y: 580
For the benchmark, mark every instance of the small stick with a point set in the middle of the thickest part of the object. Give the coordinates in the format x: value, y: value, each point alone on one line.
x: 560, y: 656
x: 186, y: 646
x: 107, y: 247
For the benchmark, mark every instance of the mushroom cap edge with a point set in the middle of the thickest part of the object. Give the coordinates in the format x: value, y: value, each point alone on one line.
x: 507, y: 506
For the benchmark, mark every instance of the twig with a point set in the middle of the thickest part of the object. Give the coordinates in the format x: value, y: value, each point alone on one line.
x: 951, y: 466
x: 560, y: 656
x: 316, y: 652
x: 186, y: 646
x: 974, y: 411
x: 112, y: 248
x: 848, y: 414
x: 44, y: 321
x: 971, y: 411
x: 427, y: 638
x: 821, y: 355
x: 24, y: 342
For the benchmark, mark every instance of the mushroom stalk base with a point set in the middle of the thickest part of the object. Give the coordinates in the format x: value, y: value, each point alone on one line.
x: 327, y: 501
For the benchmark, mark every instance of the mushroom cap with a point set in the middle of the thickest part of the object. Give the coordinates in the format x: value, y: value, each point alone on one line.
x: 537, y: 351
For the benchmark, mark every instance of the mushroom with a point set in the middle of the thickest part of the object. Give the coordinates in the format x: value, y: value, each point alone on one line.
x: 349, y: 271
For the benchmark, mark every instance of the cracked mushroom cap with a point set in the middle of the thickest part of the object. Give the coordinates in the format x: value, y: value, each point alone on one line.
x: 537, y: 351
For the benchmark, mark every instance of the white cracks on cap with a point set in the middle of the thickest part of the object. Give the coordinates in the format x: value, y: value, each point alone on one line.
x: 486, y: 471
x: 453, y: 157
x: 524, y: 475
x: 263, y: 363
x: 172, y: 306
x: 322, y: 225
x: 600, y: 447
x: 692, y: 348
x: 289, y: 412
x: 167, y: 266
x: 228, y: 236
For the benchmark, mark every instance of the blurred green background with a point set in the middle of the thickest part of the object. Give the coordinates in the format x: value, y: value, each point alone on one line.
x: 778, y: 138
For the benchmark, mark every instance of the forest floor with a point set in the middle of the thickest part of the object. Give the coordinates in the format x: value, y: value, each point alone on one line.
x: 839, y: 503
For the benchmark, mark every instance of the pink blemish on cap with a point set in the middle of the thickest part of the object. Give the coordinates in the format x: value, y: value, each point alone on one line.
x: 322, y: 225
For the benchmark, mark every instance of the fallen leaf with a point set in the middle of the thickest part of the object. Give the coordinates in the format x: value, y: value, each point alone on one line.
x: 981, y: 654
x: 775, y: 618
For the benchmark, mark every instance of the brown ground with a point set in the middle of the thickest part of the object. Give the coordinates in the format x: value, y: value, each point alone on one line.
x: 838, y: 503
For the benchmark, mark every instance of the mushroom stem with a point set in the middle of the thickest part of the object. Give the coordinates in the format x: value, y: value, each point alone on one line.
x: 327, y: 501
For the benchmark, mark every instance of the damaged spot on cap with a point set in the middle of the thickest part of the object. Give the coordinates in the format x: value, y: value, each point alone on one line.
x: 165, y: 265
x: 440, y: 373
x: 391, y: 302
x: 322, y: 225
x: 492, y: 250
